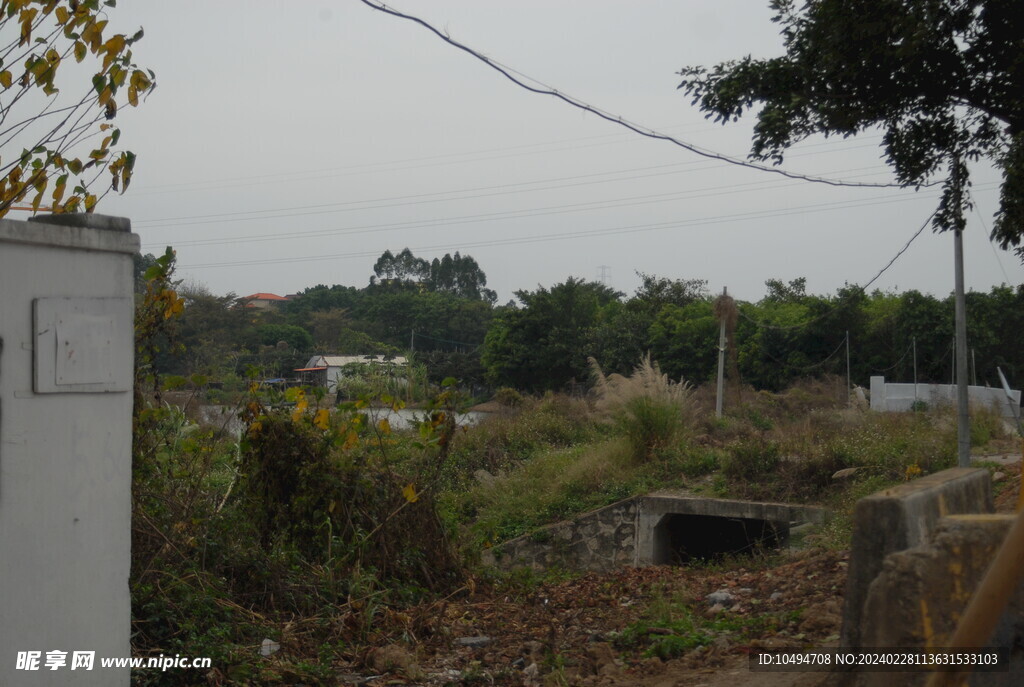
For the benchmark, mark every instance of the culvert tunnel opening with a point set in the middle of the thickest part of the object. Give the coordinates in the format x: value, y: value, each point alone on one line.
x: 682, y: 538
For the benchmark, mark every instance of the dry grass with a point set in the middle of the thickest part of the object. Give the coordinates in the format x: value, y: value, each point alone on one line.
x: 615, y: 392
x: 652, y: 410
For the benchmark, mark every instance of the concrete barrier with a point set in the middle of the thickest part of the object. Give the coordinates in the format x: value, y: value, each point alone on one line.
x: 901, y: 518
x: 920, y: 593
x: 887, y: 396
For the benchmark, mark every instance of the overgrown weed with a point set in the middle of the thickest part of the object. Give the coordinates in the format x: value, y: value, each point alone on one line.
x: 650, y: 409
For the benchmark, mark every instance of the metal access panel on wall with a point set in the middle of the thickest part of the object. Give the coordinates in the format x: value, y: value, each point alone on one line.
x: 82, y: 345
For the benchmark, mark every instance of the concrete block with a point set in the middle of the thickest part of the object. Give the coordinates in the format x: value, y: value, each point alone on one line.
x: 900, y: 518
x: 920, y: 594
x: 87, y: 221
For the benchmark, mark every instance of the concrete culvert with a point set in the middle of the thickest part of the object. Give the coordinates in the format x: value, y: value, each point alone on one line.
x: 683, y: 538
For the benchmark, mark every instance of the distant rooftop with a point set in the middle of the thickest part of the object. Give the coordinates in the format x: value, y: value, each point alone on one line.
x: 264, y: 297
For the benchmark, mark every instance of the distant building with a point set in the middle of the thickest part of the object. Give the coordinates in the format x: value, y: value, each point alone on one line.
x: 326, y: 370
x: 263, y: 301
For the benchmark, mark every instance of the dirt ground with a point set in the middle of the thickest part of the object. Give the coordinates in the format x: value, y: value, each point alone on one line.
x: 569, y: 633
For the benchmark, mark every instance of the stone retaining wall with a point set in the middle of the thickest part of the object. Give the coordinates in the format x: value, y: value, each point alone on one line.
x: 599, y: 541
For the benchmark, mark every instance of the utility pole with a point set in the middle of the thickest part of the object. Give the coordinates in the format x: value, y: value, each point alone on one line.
x: 963, y: 425
x: 849, y: 387
x: 915, y: 371
x: 721, y: 362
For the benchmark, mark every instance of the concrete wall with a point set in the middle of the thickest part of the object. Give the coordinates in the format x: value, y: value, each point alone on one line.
x: 66, y: 331
x: 601, y: 540
x: 900, y: 518
x: 631, y: 532
x: 920, y: 593
x: 901, y: 397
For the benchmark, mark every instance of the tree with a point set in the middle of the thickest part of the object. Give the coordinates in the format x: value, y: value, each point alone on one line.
x: 545, y: 344
x: 944, y: 79
x: 58, y: 139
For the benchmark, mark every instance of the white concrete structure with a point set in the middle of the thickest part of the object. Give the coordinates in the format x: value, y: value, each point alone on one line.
x: 66, y: 368
x: 901, y: 397
x: 326, y: 370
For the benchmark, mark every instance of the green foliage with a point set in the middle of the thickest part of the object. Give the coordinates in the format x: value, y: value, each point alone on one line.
x: 507, y: 439
x: 457, y: 275
x: 545, y: 344
x: 38, y: 37
x: 940, y: 77
x: 296, y: 338
x: 669, y: 628
x: 986, y: 425
x: 751, y: 460
x: 651, y: 409
x: 696, y: 461
x: 316, y: 514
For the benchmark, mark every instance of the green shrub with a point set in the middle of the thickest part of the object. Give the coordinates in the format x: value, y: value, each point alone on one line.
x: 697, y: 461
x: 649, y: 408
x: 751, y: 459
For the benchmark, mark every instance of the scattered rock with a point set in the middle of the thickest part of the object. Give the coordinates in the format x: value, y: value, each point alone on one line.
x: 602, y: 657
x: 483, y: 477
x: 394, y: 658
x: 473, y: 642
x: 845, y: 473
x: 822, y: 618
x: 534, y: 651
x: 998, y: 476
x: 720, y: 597
x: 269, y: 647
x: 775, y: 596
x: 531, y: 673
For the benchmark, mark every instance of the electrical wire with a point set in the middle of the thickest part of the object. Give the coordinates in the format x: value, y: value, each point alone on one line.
x: 862, y: 289
x: 991, y: 243
x: 903, y: 357
x: 805, y: 368
x: 508, y: 73
x: 438, y: 196
x: 545, y: 238
x: 543, y: 211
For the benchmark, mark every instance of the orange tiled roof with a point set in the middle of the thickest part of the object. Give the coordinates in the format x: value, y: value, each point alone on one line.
x: 265, y: 297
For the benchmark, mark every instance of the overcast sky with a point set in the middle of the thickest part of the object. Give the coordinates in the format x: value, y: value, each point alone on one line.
x: 289, y: 144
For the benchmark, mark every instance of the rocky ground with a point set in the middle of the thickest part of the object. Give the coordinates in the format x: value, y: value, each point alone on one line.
x: 576, y: 632
x: 648, y: 627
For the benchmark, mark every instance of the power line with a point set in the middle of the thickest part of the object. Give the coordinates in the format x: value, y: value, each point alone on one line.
x: 371, y: 167
x: 544, y: 89
x: 603, y: 204
x: 436, y: 197
x: 903, y: 357
x: 583, y: 233
x: 862, y: 289
x: 472, y: 219
x: 804, y: 368
x: 544, y: 238
x: 420, y: 335
x: 991, y: 243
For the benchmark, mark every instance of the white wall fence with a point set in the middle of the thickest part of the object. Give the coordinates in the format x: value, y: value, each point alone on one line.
x: 66, y: 372
x: 886, y: 396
